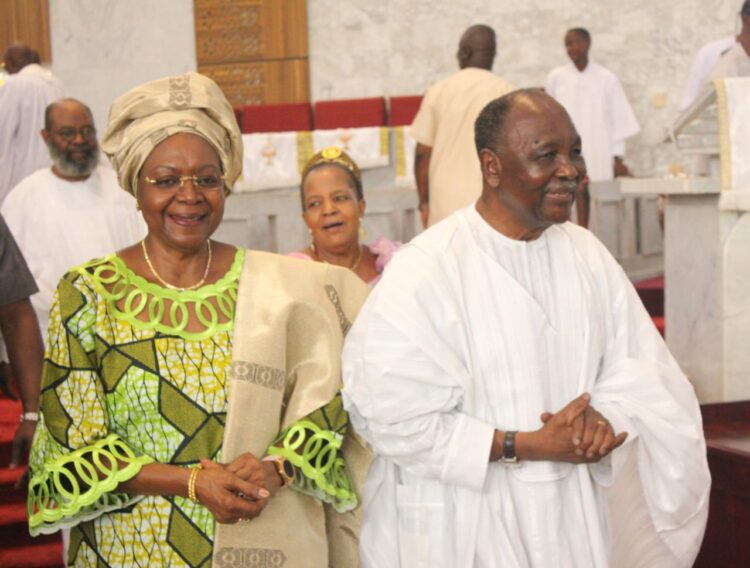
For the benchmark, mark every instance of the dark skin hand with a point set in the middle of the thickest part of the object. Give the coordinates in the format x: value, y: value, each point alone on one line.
x: 23, y: 340
x: 216, y: 488
x: 620, y: 169
x: 576, y: 434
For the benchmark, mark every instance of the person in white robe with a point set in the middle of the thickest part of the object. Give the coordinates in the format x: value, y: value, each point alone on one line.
x: 522, y: 407
x: 736, y: 61
x: 24, y: 95
x: 704, y: 61
x: 596, y: 101
x: 73, y: 211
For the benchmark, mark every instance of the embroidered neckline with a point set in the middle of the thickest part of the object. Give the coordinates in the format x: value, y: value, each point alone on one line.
x: 116, y: 282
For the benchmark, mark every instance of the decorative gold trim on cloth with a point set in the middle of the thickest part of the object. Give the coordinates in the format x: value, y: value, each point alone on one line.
x: 725, y: 142
x: 305, y: 149
x: 398, y: 135
x: 258, y: 374
x: 333, y: 295
x: 230, y: 557
x: 385, y: 146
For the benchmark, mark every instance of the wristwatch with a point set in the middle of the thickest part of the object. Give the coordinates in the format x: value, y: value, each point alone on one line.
x: 284, y: 468
x: 509, y: 448
x: 30, y: 417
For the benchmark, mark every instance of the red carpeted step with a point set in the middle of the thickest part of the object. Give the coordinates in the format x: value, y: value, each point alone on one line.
x: 17, y: 547
x: 48, y: 555
x: 651, y: 292
x: 8, y: 492
x: 10, y: 410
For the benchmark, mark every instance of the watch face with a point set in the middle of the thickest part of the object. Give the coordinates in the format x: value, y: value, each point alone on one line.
x: 288, y: 469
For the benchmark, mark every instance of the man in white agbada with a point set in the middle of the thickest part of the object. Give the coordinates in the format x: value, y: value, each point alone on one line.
x: 522, y: 407
x: 23, y: 97
x: 70, y: 212
x: 596, y: 101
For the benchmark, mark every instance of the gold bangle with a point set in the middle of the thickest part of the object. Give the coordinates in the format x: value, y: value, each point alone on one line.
x: 192, y: 495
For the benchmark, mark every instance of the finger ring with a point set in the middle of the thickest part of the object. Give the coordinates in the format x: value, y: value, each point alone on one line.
x: 242, y: 520
x: 241, y: 495
x: 602, y: 422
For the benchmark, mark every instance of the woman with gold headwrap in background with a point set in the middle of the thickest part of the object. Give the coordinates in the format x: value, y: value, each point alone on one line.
x: 188, y: 382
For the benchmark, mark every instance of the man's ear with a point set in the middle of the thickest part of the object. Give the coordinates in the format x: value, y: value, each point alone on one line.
x: 45, y: 135
x: 491, y: 167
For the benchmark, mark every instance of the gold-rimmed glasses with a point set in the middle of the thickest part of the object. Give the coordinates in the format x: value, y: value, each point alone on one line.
x: 210, y: 181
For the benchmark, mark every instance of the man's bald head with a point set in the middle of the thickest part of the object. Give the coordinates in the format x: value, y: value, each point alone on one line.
x: 477, y: 47
x: 19, y: 55
x: 489, y: 128
x: 61, y: 108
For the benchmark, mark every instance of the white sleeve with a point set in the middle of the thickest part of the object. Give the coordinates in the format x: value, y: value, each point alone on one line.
x: 624, y: 122
x: 642, y: 390
x: 404, y: 383
x: 9, y: 116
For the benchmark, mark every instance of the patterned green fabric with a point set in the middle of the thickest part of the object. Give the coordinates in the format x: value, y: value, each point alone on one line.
x: 121, y: 386
x: 313, y: 445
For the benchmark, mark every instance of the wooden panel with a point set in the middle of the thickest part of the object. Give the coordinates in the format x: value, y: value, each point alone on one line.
x: 256, y: 50
x: 228, y: 31
x: 727, y: 429
x: 249, y: 30
x: 26, y: 21
x: 262, y: 82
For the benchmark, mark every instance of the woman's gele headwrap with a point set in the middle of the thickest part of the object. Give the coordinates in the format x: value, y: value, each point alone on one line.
x: 145, y: 116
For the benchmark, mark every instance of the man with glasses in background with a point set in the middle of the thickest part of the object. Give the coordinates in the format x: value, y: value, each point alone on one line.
x: 74, y: 210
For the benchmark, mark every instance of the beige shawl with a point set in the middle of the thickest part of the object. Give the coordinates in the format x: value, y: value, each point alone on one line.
x: 290, y: 323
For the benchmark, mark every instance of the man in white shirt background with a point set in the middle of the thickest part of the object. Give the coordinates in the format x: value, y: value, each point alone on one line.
x: 73, y: 211
x: 596, y: 101
x: 24, y: 95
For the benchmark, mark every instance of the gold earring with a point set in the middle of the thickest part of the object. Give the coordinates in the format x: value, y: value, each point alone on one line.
x: 362, y: 232
x: 312, y: 242
x: 137, y: 205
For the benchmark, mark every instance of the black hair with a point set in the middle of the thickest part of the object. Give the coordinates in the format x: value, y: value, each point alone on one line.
x: 355, y: 183
x: 583, y: 32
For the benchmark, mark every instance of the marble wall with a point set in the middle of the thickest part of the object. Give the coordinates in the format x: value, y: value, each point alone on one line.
x: 392, y: 47
x: 102, y: 48
x: 358, y: 48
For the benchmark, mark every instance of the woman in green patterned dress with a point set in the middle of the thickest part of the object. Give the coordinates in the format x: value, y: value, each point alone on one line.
x: 134, y: 450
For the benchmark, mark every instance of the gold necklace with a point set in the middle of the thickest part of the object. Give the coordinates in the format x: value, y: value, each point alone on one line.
x: 172, y: 286
x: 353, y: 267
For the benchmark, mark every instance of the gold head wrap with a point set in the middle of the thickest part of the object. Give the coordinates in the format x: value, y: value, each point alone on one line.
x: 334, y: 155
x: 147, y: 115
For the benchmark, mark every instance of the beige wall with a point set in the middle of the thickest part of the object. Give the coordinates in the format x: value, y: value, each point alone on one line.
x: 365, y: 48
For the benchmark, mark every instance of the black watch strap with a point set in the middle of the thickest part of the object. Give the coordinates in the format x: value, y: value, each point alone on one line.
x: 509, y: 447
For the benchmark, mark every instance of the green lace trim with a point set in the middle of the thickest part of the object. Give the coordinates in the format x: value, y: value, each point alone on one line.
x: 116, y: 282
x: 316, y: 453
x: 79, y: 486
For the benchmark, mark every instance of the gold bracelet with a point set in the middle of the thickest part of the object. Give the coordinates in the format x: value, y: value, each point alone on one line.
x: 192, y: 495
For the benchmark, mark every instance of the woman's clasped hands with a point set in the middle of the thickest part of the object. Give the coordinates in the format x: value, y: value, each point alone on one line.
x: 238, y: 491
